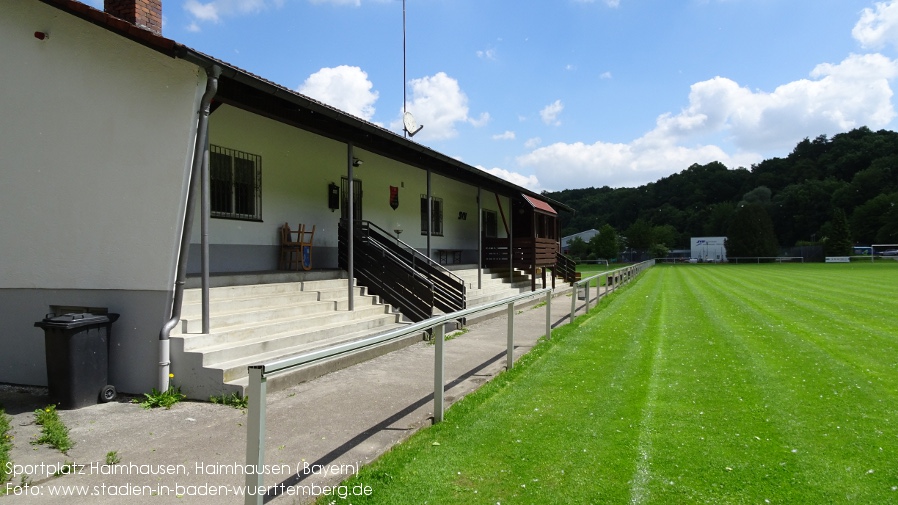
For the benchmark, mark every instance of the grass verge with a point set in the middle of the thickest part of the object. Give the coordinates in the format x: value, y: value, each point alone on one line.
x: 5, y: 449
x: 697, y: 384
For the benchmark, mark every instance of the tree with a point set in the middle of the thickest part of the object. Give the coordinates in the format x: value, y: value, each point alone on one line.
x: 665, y: 235
x: 639, y: 235
x: 605, y: 244
x: 719, y: 218
x: 578, y: 248
x: 659, y: 251
x: 751, y: 233
x: 869, y: 218
x: 839, y: 243
x: 759, y: 195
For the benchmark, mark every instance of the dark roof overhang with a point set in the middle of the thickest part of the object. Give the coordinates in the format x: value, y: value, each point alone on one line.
x: 250, y: 92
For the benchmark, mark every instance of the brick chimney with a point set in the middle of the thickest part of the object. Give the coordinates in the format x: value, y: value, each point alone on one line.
x: 146, y: 14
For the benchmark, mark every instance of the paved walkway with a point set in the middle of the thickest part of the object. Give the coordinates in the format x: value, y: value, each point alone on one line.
x: 318, y: 432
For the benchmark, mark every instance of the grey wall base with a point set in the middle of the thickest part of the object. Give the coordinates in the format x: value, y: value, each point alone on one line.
x: 134, y: 347
x: 252, y: 258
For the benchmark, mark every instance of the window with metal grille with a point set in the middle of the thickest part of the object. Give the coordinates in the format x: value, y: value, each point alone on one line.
x: 436, y: 215
x: 235, y: 184
x: 490, y: 223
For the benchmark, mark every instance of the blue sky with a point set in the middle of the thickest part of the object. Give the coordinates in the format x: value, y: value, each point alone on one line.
x: 573, y: 93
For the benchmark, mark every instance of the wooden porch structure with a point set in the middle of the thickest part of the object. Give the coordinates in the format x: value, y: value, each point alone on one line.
x: 533, y: 241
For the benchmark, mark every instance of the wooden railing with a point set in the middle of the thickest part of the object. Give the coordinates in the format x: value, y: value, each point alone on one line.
x: 400, y: 274
x: 526, y: 252
x: 565, y: 267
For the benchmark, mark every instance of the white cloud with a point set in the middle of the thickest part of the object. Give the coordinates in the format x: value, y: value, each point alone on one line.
x: 605, y: 75
x: 507, y: 135
x: 482, y: 120
x: 550, y: 113
x: 579, y: 165
x: 201, y: 11
x: 354, y: 3
x: 213, y: 10
x: 609, y: 3
x: 530, y: 182
x: 488, y: 54
x: 439, y: 104
x: 878, y: 28
x: 344, y: 87
x: 533, y: 143
x: 837, y: 97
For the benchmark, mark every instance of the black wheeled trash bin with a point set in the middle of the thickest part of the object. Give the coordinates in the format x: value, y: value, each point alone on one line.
x: 77, y: 349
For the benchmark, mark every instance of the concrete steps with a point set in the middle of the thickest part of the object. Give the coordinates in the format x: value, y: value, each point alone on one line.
x: 497, y: 283
x: 265, y: 321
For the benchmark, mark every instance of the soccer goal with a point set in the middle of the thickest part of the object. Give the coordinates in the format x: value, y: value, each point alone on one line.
x: 889, y: 251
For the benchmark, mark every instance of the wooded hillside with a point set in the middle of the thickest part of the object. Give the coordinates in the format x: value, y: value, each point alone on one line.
x: 854, y: 172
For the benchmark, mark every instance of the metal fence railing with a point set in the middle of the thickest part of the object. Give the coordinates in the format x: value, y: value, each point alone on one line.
x: 613, y: 279
x: 259, y: 374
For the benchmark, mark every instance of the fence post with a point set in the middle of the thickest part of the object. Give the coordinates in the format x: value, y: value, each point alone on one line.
x: 548, y: 315
x: 255, y: 437
x: 509, y: 355
x: 439, y: 384
x: 574, y: 294
x: 587, y: 297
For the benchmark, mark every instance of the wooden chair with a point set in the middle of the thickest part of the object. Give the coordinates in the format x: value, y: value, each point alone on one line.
x: 291, y: 251
x: 296, y: 248
x: 305, y: 246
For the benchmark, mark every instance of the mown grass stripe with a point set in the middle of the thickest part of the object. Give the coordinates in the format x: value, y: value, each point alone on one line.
x: 694, y: 385
x: 810, y: 386
x: 650, y: 330
x: 799, y: 315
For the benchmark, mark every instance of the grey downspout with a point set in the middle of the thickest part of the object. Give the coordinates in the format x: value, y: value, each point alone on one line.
x: 429, y: 214
x: 350, y: 227
x: 206, y: 206
x: 510, y: 238
x: 198, y: 153
x: 479, y: 239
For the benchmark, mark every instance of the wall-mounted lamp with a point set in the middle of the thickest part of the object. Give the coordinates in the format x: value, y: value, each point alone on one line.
x: 41, y: 35
x: 398, y: 229
x: 356, y: 162
x: 333, y: 196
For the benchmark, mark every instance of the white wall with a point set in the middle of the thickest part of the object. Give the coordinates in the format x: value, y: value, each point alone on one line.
x: 96, y: 139
x: 297, y: 167
x: 96, y: 136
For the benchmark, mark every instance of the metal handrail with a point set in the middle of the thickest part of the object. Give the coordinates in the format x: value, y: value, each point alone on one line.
x: 416, y: 253
x: 447, y: 290
x: 610, y: 274
x: 259, y: 373
x: 285, y: 364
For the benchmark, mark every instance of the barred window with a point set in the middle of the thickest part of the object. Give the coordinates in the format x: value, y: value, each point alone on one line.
x: 436, y: 215
x: 235, y: 184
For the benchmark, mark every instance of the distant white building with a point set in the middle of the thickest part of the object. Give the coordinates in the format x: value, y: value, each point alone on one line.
x: 583, y: 235
x: 709, y: 248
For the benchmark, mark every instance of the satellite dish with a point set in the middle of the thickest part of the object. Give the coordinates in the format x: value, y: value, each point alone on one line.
x: 411, y: 126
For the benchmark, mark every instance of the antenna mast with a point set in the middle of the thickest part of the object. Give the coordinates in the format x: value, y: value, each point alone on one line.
x: 404, y: 99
